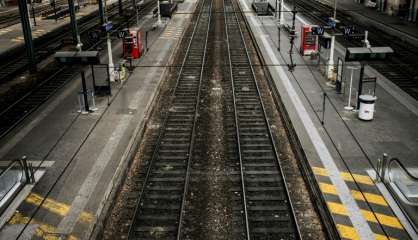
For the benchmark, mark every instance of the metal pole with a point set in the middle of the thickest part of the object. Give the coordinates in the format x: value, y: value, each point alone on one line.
x: 54, y: 5
x: 360, y: 86
x: 384, y: 167
x: 146, y: 41
x: 335, y: 10
x: 278, y: 39
x: 275, y: 10
x: 101, y: 12
x: 323, y: 108
x: 159, y: 13
x: 109, y: 52
x: 27, y: 32
x: 281, y: 12
x: 33, y: 13
x: 120, y: 7
x: 73, y: 19
x: 137, y: 16
x: 83, y: 84
x: 330, y: 66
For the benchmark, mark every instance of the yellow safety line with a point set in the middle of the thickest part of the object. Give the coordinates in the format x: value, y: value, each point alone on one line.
x: 386, y: 220
x: 44, y: 231
x: 351, y: 233
x: 364, y: 179
x: 370, y: 197
x: 55, y: 207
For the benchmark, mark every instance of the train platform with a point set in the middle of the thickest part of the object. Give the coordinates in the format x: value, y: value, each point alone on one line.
x: 85, y: 156
x: 391, y: 24
x: 11, y: 37
x: 341, y: 150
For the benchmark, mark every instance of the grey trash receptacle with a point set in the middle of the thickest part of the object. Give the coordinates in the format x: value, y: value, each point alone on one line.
x: 366, y: 109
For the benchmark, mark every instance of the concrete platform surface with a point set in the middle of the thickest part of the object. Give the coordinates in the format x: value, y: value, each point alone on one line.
x: 88, y: 152
x: 341, y: 151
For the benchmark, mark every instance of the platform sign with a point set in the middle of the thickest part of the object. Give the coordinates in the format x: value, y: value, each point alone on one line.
x: 106, y: 27
x: 348, y: 30
x: 78, y: 57
x: 123, y: 33
x: 318, y: 30
x: 365, y: 54
x: 308, y: 41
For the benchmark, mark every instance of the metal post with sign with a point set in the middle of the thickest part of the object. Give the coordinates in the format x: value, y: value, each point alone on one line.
x: 80, y: 58
x: 362, y: 55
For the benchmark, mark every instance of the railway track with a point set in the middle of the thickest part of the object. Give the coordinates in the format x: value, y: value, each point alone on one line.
x: 162, y: 198
x: 13, y: 17
x: 268, y: 211
x: 14, y: 114
x: 401, y: 68
x: 261, y: 206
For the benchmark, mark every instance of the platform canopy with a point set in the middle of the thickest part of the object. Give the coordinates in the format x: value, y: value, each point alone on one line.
x: 364, y: 53
x: 78, y: 57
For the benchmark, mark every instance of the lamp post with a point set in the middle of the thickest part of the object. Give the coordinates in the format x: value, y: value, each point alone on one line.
x: 330, y: 66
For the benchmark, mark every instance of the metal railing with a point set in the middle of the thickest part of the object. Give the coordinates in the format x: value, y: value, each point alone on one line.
x: 13, y: 178
x: 402, y: 185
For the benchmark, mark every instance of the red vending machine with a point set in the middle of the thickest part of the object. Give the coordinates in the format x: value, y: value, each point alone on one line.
x: 132, y: 44
x: 308, y: 41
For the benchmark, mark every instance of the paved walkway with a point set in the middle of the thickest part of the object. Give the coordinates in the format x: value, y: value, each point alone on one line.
x: 343, y: 150
x: 87, y: 153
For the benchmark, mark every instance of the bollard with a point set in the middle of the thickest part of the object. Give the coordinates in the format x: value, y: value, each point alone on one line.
x: 384, y: 167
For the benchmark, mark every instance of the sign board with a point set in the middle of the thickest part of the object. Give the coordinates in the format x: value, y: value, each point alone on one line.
x: 123, y: 33
x: 332, y: 22
x: 319, y: 30
x: 348, y: 30
x: 364, y: 54
x: 94, y: 35
x: 106, y: 27
x: 78, y: 57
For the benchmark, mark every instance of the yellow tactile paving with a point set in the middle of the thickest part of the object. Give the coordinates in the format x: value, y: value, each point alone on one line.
x: 43, y: 231
x: 56, y: 207
x: 386, y: 220
x: 348, y: 232
x: 370, y: 197
x: 364, y: 179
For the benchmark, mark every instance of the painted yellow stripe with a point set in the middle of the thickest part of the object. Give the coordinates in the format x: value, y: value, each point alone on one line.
x: 55, y: 207
x: 44, y: 231
x: 364, y: 179
x: 386, y: 220
x: 370, y: 197
x: 351, y: 233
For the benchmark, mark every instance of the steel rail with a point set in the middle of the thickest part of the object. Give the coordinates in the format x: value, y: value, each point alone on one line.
x: 155, y: 153
x: 270, y: 135
x: 244, y: 196
x: 196, y: 116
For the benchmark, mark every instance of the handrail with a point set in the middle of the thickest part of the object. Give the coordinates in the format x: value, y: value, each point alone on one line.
x: 25, y: 177
x: 11, y: 165
x: 403, y: 168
